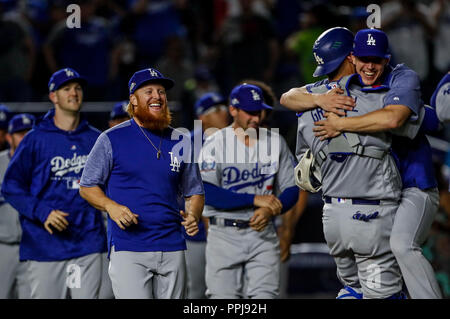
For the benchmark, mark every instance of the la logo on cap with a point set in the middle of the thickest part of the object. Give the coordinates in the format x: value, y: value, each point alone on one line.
x: 319, y: 60
x: 69, y: 73
x: 25, y: 120
x: 255, y: 95
x: 370, y: 39
x: 153, y: 72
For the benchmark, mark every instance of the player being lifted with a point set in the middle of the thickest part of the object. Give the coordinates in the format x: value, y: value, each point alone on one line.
x: 400, y: 104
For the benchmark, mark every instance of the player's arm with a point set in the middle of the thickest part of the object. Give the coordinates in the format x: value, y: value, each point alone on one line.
x: 286, y: 231
x: 120, y: 214
x: 225, y: 199
x: 389, y: 118
x: 192, y: 214
x: 300, y: 100
x: 17, y: 181
x: 95, y: 174
x: 401, y: 103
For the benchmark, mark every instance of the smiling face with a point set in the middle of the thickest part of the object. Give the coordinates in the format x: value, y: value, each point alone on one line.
x: 245, y: 119
x: 68, y: 98
x: 150, y: 108
x: 369, y: 68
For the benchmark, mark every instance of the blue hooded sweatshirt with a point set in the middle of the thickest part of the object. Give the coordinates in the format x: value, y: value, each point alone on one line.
x: 44, y: 175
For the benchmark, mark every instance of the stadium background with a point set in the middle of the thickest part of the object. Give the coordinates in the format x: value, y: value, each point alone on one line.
x: 210, y: 45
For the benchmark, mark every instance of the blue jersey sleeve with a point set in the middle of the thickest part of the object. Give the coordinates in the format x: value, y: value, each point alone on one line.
x: 16, y: 186
x: 288, y: 198
x: 99, y: 163
x: 192, y: 181
x: 404, y: 89
x: 221, y: 198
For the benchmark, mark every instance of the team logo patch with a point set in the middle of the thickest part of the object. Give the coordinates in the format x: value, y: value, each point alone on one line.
x: 132, y: 86
x: 52, y: 86
x: 319, y: 60
x: 69, y: 73
x: 73, y: 147
x: 234, y: 101
x: 25, y: 120
x: 215, y: 98
x: 255, y: 95
x: 174, y: 163
x: 370, y: 39
x: 153, y: 73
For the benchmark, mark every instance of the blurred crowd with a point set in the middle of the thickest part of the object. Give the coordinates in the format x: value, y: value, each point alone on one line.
x: 211, y: 45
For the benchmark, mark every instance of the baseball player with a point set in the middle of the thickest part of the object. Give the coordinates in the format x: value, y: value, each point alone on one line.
x: 212, y: 111
x: 413, y: 156
x: 240, y: 188
x: 118, y: 114
x: 13, y: 273
x: 134, y: 175
x: 62, y: 235
x: 440, y: 100
x: 5, y: 115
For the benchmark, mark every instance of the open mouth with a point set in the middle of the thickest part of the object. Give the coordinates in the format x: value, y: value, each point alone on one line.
x: 155, y: 106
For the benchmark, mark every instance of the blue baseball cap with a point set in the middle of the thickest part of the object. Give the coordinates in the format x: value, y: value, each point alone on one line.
x: 21, y: 122
x: 331, y: 48
x: 208, y: 100
x: 371, y: 42
x: 5, y: 114
x: 119, y: 110
x: 148, y: 75
x: 248, y: 97
x: 63, y: 76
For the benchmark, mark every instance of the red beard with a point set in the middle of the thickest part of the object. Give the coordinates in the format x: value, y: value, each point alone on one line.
x: 151, y: 121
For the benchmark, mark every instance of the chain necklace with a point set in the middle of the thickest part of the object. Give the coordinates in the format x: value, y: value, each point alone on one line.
x: 158, y: 150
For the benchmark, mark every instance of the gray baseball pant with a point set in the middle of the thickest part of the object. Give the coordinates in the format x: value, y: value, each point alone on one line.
x: 411, y: 227
x: 368, y: 241
x: 195, y: 263
x: 14, y: 282
x: 148, y: 275
x: 232, y: 253
x: 106, y: 291
x: 78, y: 278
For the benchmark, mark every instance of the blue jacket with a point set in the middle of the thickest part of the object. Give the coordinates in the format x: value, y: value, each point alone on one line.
x: 43, y: 175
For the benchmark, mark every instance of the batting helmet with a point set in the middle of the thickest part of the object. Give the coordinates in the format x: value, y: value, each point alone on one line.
x: 331, y: 48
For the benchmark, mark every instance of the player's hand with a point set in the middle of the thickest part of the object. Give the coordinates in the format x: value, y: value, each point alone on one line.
x: 56, y: 219
x: 190, y: 223
x: 334, y: 101
x: 327, y: 128
x: 285, y: 235
x: 121, y: 215
x: 260, y: 218
x: 268, y: 201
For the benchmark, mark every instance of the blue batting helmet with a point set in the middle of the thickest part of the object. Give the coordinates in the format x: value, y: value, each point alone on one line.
x: 331, y: 48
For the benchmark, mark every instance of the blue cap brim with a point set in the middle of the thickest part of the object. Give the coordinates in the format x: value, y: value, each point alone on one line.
x: 166, y: 83
x: 263, y: 106
x: 80, y: 80
x: 383, y: 56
